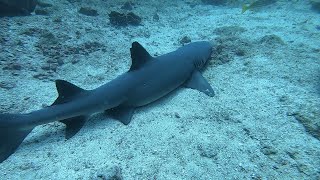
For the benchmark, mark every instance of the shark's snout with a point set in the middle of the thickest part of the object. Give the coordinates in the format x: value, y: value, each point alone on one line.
x: 202, y: 51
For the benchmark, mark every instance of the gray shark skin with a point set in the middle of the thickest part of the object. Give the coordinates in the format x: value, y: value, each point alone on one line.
x: 148, y: 79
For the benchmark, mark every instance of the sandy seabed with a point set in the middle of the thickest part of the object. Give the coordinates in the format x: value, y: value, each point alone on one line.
x: 263, y: 122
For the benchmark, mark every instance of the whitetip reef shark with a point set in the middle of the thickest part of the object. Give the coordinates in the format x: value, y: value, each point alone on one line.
x: 148, y: 79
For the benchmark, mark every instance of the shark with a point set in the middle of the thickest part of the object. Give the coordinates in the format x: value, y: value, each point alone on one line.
x: 17, y: 7
x: 148, y: 79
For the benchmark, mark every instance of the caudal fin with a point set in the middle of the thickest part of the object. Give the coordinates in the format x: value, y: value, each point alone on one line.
x: 12, y: 133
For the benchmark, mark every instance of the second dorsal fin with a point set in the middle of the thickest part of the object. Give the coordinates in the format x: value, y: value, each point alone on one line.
x: 66, y: 91
x: 139, y: 56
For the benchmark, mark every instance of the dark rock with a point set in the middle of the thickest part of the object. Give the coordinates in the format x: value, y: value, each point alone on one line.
x: 57, y: 20
x: 293, y: 154
x: 192, y: 4
x: 7, y: 85
x: 42, y: 76
x: 29, y: 166
x: 283, y: 99
x: 118, y: 19
x: 177, y: 115
x: 78, y: 34
x: 185, y: 40
x: 107, y: 173
x: 54, y: 67
x: 88, y: 11
x: 60, y: 62
x: 310, y: 121
x: 48, y: 38
x: 229, y: 30
x: 220, y: 55
x: 271, y: 40
x: 240, y: 52
x: 12, y: 66
x: 227, y: 47
x: 2, y: 40
x: 74, y: 1
x: 208, y: 150
x: 122, y: 19
x: 315, y: 6
x: 43, y: 4
x: 51, y: 60
x: 304, y: 168
x: 127, y: 6
x: 45, y: 67
x: 215, y: 2
x: 57, y: 52
x: 87, y: 47
x: 34, y: 31
x: 133, y: 19
x: 229, y: 44
x: 156, y: 17
x: 16, y: 66
x: 75, y: 61
x: 268, y: 150
x: 50, y: 67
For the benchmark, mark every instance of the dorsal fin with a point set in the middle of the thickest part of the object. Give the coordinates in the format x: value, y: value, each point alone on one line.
x: 66, y: 91
x: 139, y: 56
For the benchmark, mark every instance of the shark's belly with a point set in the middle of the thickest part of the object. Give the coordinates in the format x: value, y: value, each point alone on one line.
x: 152, y: 89
x: 146, y: 95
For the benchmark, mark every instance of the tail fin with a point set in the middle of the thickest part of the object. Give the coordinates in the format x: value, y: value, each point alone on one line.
x: 244, y: 8
x: 11, y: 134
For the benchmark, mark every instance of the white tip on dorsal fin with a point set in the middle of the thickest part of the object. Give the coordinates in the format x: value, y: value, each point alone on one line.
x: 139, y: 56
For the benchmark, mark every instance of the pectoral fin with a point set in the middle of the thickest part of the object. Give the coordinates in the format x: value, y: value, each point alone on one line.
x: 74, y: 125
x: 198, y: 82
x: 123, y: 114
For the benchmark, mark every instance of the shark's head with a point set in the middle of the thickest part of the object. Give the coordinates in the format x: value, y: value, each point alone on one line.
x: 200, y: 53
